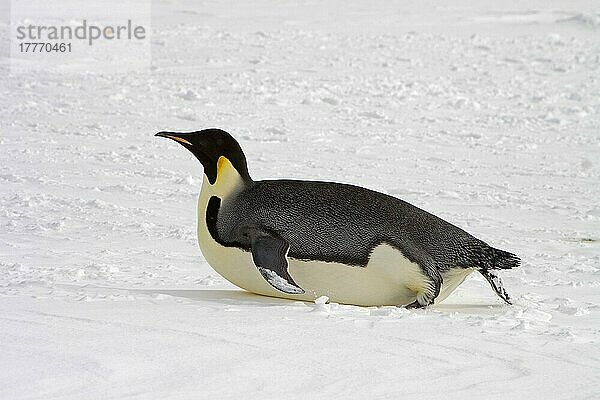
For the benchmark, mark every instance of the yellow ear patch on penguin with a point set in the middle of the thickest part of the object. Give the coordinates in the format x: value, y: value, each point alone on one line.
x: 221, y: 164
x: 225, y: 170
x: 228, y: 179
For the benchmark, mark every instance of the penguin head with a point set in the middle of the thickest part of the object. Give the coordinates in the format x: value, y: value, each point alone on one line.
x: 210, y: 146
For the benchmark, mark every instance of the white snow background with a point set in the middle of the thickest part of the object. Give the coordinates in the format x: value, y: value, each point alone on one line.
x: 485, y: 114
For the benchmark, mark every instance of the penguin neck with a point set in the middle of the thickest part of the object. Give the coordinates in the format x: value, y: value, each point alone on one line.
x: 228, y: 180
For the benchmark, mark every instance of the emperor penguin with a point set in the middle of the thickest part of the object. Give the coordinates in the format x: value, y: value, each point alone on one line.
x: 306, y: 239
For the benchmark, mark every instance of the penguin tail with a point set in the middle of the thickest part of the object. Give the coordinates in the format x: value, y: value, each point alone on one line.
x: 495, y: 259
x: 500, y: 259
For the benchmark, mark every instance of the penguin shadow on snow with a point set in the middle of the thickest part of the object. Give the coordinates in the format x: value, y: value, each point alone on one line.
x: 241, y: 297
x: 223, y: 296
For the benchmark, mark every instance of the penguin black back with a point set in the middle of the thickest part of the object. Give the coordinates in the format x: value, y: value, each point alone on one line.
x: 342, y: 223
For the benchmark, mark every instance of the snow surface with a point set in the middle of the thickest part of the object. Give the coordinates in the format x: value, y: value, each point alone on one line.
x: 486, y: 114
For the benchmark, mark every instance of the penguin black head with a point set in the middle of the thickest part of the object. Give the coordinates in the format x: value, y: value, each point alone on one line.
x: 208, y: 146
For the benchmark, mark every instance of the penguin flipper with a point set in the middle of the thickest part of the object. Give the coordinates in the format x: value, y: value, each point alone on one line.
x: 269, y: 252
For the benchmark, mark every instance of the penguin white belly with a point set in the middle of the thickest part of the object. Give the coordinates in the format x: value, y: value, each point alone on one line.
x: 388, y: 279
x: 378, y: 283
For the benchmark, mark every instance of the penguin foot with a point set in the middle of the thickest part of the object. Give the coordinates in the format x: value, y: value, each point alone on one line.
x: 414, y: 305
x: 427, y: 295
x: 423, y: 300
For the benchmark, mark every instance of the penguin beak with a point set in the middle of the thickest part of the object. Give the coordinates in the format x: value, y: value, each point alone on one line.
x: 175, y: 136
x: 195, y: 143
